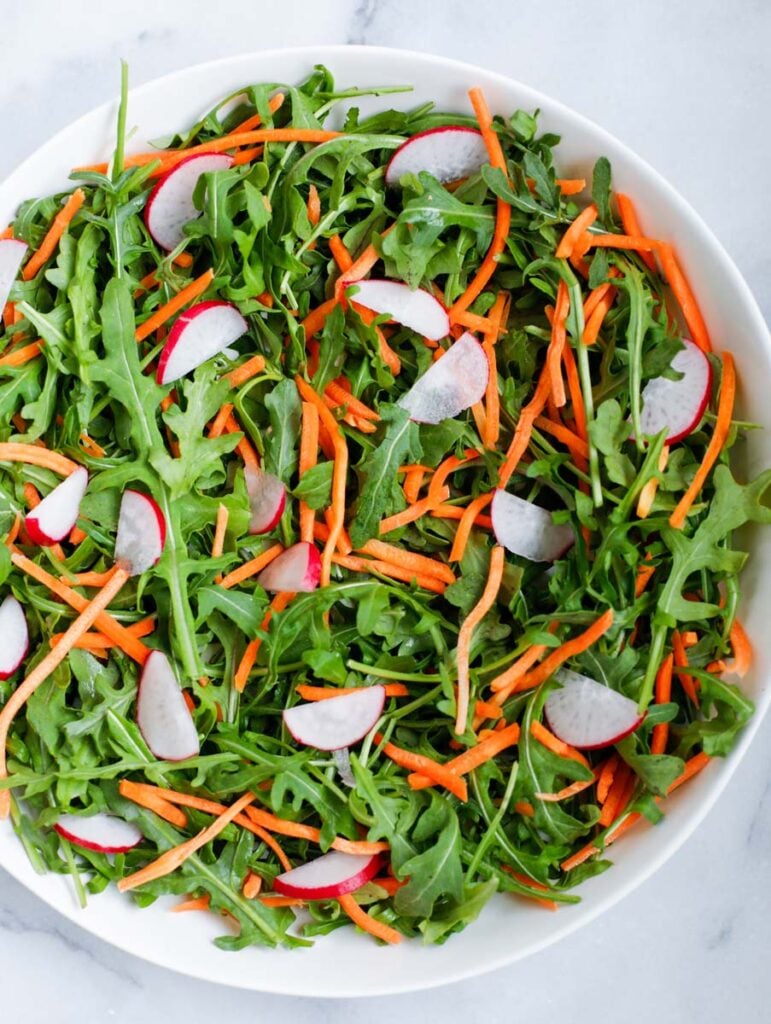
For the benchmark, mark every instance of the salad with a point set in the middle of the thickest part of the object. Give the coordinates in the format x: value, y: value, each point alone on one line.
x: 367, y: 506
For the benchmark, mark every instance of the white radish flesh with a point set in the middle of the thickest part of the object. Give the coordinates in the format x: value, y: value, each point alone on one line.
x: 677, y: 406
x: 101, y: 832
x: 332, y: 875
x: 528, y: 530
x: 12, y: 253
x: 448, y: 153
x: 414, y: 308
x: 267, y: 500
x: 57, y: 513
x: 14, y: 636
x: 163, y: 717
x: 298, y: 569
x: 170, y: 204
x: 201, y: 333
x: 449, y: 386
x: 141, y: 532
x: 587, y: 714
x: 337, y: 721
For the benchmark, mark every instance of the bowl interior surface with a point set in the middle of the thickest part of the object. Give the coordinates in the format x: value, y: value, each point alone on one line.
x: 346, y: 963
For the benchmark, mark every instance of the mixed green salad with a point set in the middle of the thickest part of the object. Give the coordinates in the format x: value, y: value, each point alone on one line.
x: 368, y: 509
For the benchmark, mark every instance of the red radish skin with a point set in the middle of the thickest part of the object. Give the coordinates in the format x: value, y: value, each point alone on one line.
x: 267, y: 500
x: 52, y: 520
x: 141, y: 532
x: 414, y: 308
x: 12, y: 253
x: 201, y: 333
x: 163, y: 717
x: 588, y: 715
x: 337, y: 722
x: 104, y: 833
x: 332, y: 875
x: 170, y: 204
x: 451, y: 385
x: 298, y: 569
x: 14, y: 636
x: 677, y: 406
x: 447, y: 153
x: 527, y: 530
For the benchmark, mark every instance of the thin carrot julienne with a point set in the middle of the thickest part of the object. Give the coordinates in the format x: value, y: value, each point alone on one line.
x: 406, y: 575
x: 631, y: 225
x: 146, y: 797
x: 314, y: 693
x: 246, y: 664
x: 246, y: 371
x: 467, y: 521
x: 368, y: 923
x: 54, y: 233
x: 742, y: 650
x: 309, y: 444
x: 168, y: 309
x: 473, y: 757
x: 584, y: 220
x: 412, y: 512
x: 551, y: 742
x: 569, y: 649
x: 439, y: 774
x: 34, y: 455
x: 663, y: 693
x: 474, y: 618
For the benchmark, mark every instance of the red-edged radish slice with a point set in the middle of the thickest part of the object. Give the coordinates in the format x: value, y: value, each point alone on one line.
x: 267, y: 500
x: 677, y: 406
x: 417, y: 309
x: 297, y: 569
x: 199, y: 334
x: 101, y: 832
x: 170, y: 204
x: 528, y: 530
x: 586, y: 714
x: 448, y: 153
x: 141, y: 532
x: 57, y: 513
x: 163, y: 717
x: 453, y: 383
x: 14, y: 636
x: 336, y: 722
x: 12, y: 253
x: 332, y: 875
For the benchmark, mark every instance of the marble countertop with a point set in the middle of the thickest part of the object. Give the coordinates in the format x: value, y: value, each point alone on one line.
x: 687, y: 87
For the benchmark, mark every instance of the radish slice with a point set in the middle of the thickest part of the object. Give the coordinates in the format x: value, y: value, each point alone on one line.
x: 170, y: 204
x: 12, y: 253
x: 14, y: 636
x: 586, y: 714
x: 57, y: 513
x: 328, y: 877
x: 141, y: 532
x: 454, y: 383
x: 448, y: 153
x: 417, y: 309
x: 297, y: 569
x: 101, y: 832
x: 163, y: 717
x: 267, y: 500
x: 677, y: 406
x: 528, y: 530
x: 337, y: 722
x: 199, y: 334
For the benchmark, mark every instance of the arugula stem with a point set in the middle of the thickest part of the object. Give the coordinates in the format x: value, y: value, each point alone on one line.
x: 182, y: 615
x: 494, y: 825
x: 655, y: 655
x: 120, y: 143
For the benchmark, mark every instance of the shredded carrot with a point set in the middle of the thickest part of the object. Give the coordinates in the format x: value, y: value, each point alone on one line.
x: 567, y: 792
x: 245, y: 666
x: 584, y: 220
x: 719, y: 435
x: 685, y: 298
x: 314, y: 205
x: 340, y: 253
x: 98, y: 642
x: 14, y: 531
x: 567, y: 650
x: 413, y: 481
x: 648, y: 493
x: 22, y: 356
x: 412, y: 512
x: 146, y: 797
x: 496, y: 159
x: 201, y: 903
x: 368, y: 923
x: 7, y: 232
x: 595, y: 321
x: 439, y: 774
x: 551, y: 742
x: 487, y: 709
x: 339, y: 473
x: 408, y: 560
x: 631, y: 225
x: 220, y: 421
x: 168, y: 309
x: 391, y: 885
x: 576, y: 444
x: 337, y: 391
x: 492, y: 398
x: 742, y: 650
x: 457, y: 512
x: 531, y: 882
x: 473, y: 321
x: 524, y: 427
x: 397, y: 572
x: 692, y: 767
x: 361, y: 266
x: 183, y: 259
x: 220, y: 527
x: 244, y: 447
x: 298, y: 830
x: 525, y: 808
x: 473, y: 757
x: 254, y: 121
x: 309, y: 444
x: 505, y: 684
x: 465, y: 524
x: 445, y: 468
x: 252, y: 886
x: 252, y: 567
x: 177, y: 855
x: 54, y: 233
x: 246, y: 371
x: 605, y: 778
x: 660, y: 732
x: 681, y: 664
x: 92, y: 447
x: 387, y: 354
x: 474, y: 618
x: 644, y: 573
x: 314, y: 693
x: 49, y: 663
x: 35, y: 455
x: 637, y: 243
x: 614, y: 804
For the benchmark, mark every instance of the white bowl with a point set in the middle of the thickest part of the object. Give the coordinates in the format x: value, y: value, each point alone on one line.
x: 347, y: 963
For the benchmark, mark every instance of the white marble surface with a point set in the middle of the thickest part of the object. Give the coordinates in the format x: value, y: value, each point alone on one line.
x: 687, y: 86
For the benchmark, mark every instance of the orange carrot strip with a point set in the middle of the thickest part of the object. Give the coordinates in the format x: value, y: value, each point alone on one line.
x: 368, y: 923
x: 644, y: 573
x: 387, y: 354
x: 685, y: 298
x: 298, y: 830
x: 340, y: 253
x: 252, y: 567
x: 570, y: 186
x: 637, y: 243
x: 397, y: 572
x: 473, y: 757
x: 244, y: 447
x: 524, y: 427
x: 680, y: 656
x: 605, y: 778
x: 255, y: 120
x: 456, y: 512
x: 21, y: 356
x: 577, y: 445
x: 663, y: 695
x: 314, y: 205
x: 465, y: 524
x: 168, y: 309
x: 445, y: 468
x: 337, y: 392
x: 245, y: 666
x: 567, y: 792
x: 408, y: 560
x: 692, y: 767
x: 742, y: 650
x: 487, y: 709
x: 54, y: 233
x: 413, y: 482
x: 567, y: 650
x: 220, y: 421
x: 507, y: 681
x: 309, y: 444
x: 631, y: 225
x: 567, y: 244
x: 474, y: 618
x: 550, y: 741
x: 49, y: 663
x: 246, y: 371
x: 362, y: 265
x: 220, y: 527
x: 410, y: 514
x: 252, y: 886
x: 613, y: 804
x: 472, y: 320
x: 202, y: 903
x: 526, y: 880
x: 648, y: 493
x: 34, y: 455
x: 149, y: 799
x: 314, y: 693
x: 719, y: 435
x: 439, y: 774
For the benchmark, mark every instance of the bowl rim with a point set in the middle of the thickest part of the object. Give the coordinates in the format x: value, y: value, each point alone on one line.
x: 718, y: 777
